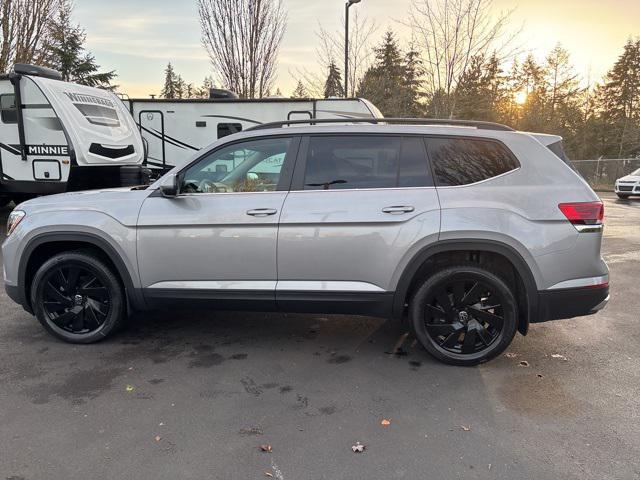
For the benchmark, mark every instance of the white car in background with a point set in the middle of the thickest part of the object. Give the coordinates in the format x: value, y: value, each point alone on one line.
x: 629, y: 185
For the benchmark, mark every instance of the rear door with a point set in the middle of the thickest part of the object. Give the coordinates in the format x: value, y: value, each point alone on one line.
x: 358, y: 204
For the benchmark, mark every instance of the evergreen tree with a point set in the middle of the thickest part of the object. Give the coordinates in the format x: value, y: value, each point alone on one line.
x: 393, y: 82
x: 618, y: 105
x: 333, y: 86
x: 172, y: 87
x: 66, y: 53
x: 300, y: 91
x: 482, y: 93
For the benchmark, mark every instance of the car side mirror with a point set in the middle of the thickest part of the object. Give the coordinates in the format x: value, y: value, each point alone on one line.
x: 169, y: 186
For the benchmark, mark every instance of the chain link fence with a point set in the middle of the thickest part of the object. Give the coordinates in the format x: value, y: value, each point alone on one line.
x: 603, y: 173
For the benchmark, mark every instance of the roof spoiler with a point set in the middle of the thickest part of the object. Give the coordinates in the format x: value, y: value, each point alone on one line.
x: 397, y: 121
x: 36, y: 71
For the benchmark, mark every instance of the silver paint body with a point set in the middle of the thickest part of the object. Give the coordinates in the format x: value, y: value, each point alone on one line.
x: 335, y: 240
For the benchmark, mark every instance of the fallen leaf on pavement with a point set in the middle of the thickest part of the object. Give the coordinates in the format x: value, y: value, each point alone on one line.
x: 466, y: 428
x: 540, y: 375
x: 561, y: 357
x: 268, y: 474
x: 129, y: 388
x: 385, y: 422
x: 157, y: 438
x: 510, y: 355
x: 266, y: 448
x: 523, y: 363
x: 358, y: 448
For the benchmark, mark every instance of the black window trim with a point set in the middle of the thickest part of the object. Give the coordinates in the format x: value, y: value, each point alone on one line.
x: 468, y: 137
x: 297, y: 184
x: 284, y: 182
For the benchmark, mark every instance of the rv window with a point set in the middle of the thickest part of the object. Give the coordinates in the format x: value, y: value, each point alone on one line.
x: 225, y: 129
x: 8, y: 108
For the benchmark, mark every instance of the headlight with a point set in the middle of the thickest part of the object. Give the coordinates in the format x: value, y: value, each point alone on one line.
x: 14, y: 220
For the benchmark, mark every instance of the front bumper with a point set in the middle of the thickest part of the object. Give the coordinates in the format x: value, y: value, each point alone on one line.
x: 571, y: 302
x: 627, y: 189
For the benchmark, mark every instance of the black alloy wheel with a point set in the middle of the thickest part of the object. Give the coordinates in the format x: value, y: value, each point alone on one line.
x: 464, y: 315
x: 77, y: 298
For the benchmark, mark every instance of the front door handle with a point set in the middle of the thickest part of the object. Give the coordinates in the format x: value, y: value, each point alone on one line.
x: 262, y: 212
x: 399, y: 209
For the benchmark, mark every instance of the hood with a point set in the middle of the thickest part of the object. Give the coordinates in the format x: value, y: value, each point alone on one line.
x: 630, y: 178
x: 123, y: 204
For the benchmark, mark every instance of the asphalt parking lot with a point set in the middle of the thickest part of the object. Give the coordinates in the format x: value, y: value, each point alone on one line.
x: 193, y: 395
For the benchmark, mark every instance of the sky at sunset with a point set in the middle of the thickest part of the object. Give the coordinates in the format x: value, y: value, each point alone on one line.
x: 138, y: 37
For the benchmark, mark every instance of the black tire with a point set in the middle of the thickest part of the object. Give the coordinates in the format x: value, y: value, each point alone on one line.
x: 77, y: 298
x: 622, y: 196
x: 4, y: 201
x: 464, y: 315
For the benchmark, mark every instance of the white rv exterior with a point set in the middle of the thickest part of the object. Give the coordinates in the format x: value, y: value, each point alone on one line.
x: 175, y: 129
x: 56, y: 136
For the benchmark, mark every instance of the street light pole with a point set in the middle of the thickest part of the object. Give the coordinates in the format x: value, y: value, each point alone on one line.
x: 347, y: 5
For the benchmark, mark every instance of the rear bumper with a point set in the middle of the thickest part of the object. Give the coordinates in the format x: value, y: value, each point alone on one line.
x: 571, y: 302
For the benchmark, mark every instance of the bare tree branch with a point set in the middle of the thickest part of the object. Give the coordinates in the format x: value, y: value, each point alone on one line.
x: 242, y: 38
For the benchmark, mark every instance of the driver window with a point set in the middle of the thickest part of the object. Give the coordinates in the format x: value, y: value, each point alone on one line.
x: 252, y: 166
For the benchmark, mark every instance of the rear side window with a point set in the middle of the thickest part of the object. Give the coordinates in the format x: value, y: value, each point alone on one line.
x: 8, y: 108
x: 366, y: 161
x: 461, y: 161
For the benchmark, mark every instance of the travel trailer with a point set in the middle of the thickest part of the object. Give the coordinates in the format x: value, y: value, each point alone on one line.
x: 57, y: 136
x: 175, y: 129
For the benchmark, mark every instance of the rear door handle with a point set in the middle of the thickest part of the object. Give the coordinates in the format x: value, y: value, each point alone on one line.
x: 399, y: 209
x: 262, y: 212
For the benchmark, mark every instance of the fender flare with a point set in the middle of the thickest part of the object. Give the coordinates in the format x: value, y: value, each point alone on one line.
x: 480, y: 245
x: 133, y: 294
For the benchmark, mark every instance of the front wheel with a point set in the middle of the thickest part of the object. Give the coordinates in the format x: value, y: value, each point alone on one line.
x: 464, y: 315
x: 77, y: 298
x: 622, y: 196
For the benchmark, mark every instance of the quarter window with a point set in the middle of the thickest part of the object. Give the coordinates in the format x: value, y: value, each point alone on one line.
x: 353, y: 162
x: 459, y: 161
x: 8, y: 108
x: 252, y: 166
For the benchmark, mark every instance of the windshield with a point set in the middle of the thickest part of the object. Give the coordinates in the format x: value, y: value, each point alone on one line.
x: 635, y: 173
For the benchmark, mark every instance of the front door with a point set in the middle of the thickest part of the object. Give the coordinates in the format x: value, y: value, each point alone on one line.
x: 359, y: 204
x: 217, y: 239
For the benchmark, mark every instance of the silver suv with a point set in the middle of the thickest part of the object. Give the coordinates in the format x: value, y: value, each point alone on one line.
x: 470, y: 230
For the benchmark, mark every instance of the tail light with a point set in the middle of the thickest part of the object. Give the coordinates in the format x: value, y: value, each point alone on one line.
x: 583, y: 213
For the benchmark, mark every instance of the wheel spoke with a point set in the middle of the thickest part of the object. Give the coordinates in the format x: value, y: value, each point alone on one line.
x: 495, y: 321
x: 473, y: 296
x: 55, y: 307
x: 96, y: 293
x: 443, y: 329
x: 458, y: 293
x: 483, y: 334
x: 468, y: 346
x: 451, y: 341
x: 66, y: 318
x: 72, y: 279
x: 90, y: 317
x: 445, y: 303
x: 55, y: 294
x: 436, y: 312
x: 78, y: 321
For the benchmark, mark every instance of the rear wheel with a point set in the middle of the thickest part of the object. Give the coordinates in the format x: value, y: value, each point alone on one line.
x: 77, y: 298
x: 464, y: 315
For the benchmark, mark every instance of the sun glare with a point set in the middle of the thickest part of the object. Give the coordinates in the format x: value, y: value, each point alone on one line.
x: 520, y: 97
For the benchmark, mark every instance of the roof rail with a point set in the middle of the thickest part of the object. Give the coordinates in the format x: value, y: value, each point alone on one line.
x: 402, y: 121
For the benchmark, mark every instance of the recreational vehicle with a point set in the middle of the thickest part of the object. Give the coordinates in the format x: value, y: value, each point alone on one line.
x: 57, y: 136
x: 175, y: 129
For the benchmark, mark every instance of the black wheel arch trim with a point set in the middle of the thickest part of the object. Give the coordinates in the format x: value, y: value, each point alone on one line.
x: 133, y: 295
x: 480, y: 245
